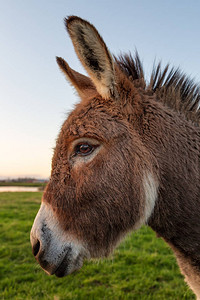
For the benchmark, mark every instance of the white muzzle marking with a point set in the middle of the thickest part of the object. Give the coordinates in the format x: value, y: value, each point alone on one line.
x: 57, y: 251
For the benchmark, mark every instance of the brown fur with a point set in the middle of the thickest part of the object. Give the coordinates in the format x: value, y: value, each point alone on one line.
x: 144, y: 131
x: 85, y: 199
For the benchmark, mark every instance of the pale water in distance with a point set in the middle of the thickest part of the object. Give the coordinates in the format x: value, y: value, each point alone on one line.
x: 18, y: 189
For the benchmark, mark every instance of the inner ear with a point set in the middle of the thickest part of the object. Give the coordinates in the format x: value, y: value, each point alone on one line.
x: 93, y: 54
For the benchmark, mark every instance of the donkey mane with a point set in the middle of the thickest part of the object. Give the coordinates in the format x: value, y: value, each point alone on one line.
x: 171, y: 86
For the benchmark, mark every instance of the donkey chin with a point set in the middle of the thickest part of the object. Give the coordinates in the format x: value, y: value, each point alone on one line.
x: 56, y: 251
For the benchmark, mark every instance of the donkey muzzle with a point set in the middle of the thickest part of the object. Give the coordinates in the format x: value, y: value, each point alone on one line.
x: 56, y: 251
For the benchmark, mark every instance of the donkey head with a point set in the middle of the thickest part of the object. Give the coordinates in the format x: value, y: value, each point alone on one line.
x: 102, y: 182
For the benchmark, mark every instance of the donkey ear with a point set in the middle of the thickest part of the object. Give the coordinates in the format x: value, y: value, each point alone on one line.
x: 82, y: 83
x: 93, y: 54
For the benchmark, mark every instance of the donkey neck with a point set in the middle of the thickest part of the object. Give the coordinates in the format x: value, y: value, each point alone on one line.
x: 174, y: 143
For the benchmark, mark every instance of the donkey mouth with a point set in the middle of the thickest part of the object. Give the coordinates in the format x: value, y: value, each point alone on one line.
x: 68, y: 265
x: 64, y: 267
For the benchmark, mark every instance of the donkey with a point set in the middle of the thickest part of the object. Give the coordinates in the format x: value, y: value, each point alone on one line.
x: 127, y: 155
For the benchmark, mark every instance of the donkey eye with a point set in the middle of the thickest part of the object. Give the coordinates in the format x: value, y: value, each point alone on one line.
x: 84, y: 149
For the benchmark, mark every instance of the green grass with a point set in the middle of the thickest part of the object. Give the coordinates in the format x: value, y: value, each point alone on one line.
x: 142, y: 267
x: 28, y: 184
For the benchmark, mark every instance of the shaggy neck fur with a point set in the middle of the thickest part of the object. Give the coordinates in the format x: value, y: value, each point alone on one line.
x: 174, y: 143
x: 170, y: 130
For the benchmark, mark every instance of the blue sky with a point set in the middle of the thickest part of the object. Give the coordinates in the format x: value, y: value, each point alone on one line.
x: 34, y: 96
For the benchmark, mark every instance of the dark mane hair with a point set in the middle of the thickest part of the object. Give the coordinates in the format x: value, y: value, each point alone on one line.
x: 170, y: 85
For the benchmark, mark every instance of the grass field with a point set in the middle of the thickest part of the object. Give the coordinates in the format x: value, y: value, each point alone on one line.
x: 142, y: 267
x: 28, y: 184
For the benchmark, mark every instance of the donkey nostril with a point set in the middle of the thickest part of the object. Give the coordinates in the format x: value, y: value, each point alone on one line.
x: 36, y: 248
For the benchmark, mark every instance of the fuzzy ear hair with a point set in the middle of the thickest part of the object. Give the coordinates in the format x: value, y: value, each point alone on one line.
x: 82, y: 83
x: 93, y: 54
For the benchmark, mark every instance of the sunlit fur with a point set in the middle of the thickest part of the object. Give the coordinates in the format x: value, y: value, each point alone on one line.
x: 144, y: 168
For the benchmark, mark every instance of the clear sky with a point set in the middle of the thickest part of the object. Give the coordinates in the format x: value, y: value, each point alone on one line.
x: 34, y: 96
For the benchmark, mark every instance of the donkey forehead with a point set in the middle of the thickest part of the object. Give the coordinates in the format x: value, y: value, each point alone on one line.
x: 102, y: 121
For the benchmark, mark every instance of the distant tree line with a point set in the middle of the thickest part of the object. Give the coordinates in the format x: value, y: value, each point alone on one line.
x: 24, y: 180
